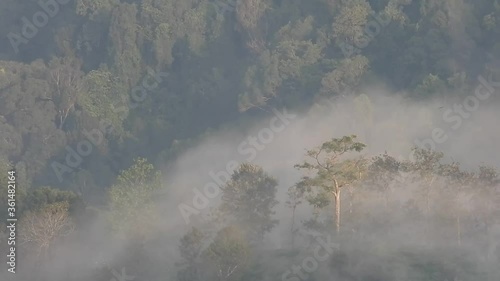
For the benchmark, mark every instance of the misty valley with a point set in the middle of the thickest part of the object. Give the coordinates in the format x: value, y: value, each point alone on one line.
x: 250, y: 140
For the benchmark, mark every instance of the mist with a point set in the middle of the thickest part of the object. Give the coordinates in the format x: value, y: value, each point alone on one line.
x: 250, y: 140
x: 397, y: 125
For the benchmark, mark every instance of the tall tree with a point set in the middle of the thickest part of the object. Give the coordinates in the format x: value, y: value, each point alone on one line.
x: 332, y: 172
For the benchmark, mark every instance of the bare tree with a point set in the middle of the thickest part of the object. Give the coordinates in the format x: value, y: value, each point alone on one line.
x: 65, y: 78
x: 42, y: 228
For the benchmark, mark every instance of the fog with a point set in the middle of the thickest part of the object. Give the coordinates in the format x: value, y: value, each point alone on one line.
x: 397, y: 124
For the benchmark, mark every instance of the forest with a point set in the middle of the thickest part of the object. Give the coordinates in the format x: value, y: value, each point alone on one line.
x: 249, y: 140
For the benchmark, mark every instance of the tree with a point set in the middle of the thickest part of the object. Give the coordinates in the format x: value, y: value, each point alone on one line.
x: 133, y: 211
x: 41, y: 228
x: 394, y: 11
x: 383, y: 171
x: 430, y: 85
x: 39, y: 197
x: 65, y: 78
x: 261, y: 82
x: 29, y: 130
x: 458, y: 183
x: 228, y: 255
x: 248, y: 200
x: 349, y: 24
x: 294, y: 55
x: 332, y: 172
x: 284, y: 63
x: 426, y: 168
x: 249, y: 15
x: 249, y: 12
x: 123, y: 49
x: 105, y: 98
x: 487, y: 195
x: 191, y: 248
x: 345, y: 77
x: 93, y: 8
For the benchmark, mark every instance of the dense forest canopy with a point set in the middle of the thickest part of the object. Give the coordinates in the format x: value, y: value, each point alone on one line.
x: 349, y: 140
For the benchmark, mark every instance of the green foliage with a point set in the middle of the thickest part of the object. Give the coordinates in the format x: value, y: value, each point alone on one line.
x: 93, y: 8
x: 131, y: 199
x: 345, y: 77
x: 105, y: 98
x: 383, y: 171
x: 294, y: 55
x: 265, y: 53
x: 285, y: 62
x: 39, y: 197
x: 348, y: 26
x: 249, y: 12
x: 164, y: 39
x: 300, y: 30
x: 30, y: 130
x: 65, y: 79
x: 261, y: 82
x: 426, y: 162
x: 81, y: 67
x: 123, y: 50
x: 191, y: 247
x: 332, y: 170
x: 431, y: 84
x: 228, y: 254
x: 248, y: 199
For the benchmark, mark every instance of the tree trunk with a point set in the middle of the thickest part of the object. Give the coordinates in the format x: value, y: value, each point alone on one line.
x: 459, y: 231
x: 351, y: 199
x: 428, y: 196
x: 337, y: 211
x: 292, y: 228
